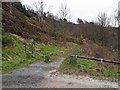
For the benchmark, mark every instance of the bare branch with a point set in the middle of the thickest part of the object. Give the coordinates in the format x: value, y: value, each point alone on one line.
x: 114, y: 18
x: 64, y: 11
x: 103, y: 20
x: 40, y: 6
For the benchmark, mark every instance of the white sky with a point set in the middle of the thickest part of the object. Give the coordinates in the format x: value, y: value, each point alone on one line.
x: 83, y: 9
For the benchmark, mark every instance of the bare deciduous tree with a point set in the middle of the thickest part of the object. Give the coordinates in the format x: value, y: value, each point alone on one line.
x: 40, y: 6
x: 64, y: 14
x: 103, y: 20
x: 119, y: 13
x: 114, y: 18
x: 29, y: 8
x: 119, y: 20
x: 64, y: 11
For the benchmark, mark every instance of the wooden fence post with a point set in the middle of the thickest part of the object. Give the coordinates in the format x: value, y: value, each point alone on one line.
x: 33, y: 46
x: 73, y: 59
x: 25, y: 46
x: 27, y: 43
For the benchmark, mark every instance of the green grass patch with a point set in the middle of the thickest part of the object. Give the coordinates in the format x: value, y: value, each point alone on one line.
x: 14, y: 56
x: 88, y: 67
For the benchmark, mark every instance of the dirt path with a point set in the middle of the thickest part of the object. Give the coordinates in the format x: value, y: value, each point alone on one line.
x: 43, y: 75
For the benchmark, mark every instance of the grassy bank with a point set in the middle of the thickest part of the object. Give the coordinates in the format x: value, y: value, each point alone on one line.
x: 13, y: 55
x: 92, y: 68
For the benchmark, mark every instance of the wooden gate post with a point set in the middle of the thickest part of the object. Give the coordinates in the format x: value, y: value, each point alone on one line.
x: 73, y: 59
x: 27, y: 43
x: 25, y: 46
x: 33, y: 49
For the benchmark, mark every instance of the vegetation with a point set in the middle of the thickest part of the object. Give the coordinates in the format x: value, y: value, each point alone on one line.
x: 6, y: 39
x: 87, y: 67
x: 14, y: 56
x: 53, y: 31
x: 94, y: 69
x: 52, y: 35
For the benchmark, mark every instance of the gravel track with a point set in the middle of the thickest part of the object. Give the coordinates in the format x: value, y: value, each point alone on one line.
x: 45, y: 75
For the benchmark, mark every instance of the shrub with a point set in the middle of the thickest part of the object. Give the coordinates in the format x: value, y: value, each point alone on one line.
x: 93, y: 50
x: 6, y: 39
x: 72, y: 60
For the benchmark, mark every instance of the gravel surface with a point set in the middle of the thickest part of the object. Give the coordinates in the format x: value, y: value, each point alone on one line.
x: 45, y: 75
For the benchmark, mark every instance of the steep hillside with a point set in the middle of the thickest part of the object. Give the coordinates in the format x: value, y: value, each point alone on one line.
x: 104, y: 36
x: 24, y: 23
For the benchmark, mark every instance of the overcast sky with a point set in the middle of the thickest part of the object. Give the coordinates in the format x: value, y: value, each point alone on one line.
x: 83, y: 9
